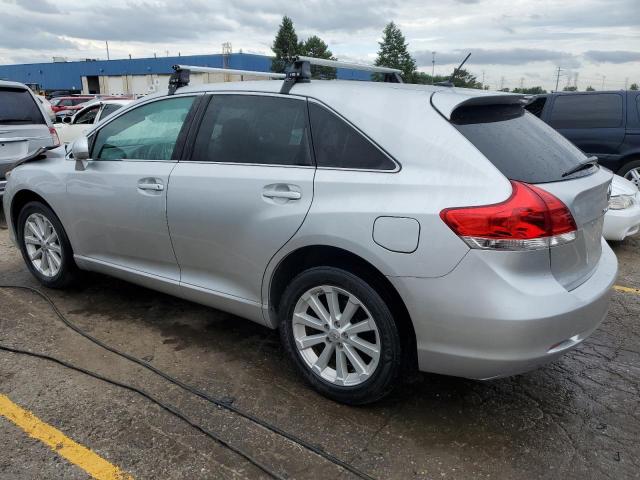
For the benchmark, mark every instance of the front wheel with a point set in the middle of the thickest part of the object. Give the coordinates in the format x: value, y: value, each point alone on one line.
x: 45, y: 246
x: 631, y: 171
x: 341, y: 335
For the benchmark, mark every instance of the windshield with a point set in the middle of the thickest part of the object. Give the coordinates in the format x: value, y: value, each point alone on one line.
x: 18, y: 107
x: 520, y: 145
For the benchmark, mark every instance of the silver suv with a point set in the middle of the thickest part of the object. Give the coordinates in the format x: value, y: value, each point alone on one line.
x: 383, y: 228
x: 25, y: 126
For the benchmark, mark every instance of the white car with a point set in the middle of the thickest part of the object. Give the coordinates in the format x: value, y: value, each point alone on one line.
x: 623, y: 217
x: 46, y: 104
x: 74, y: 126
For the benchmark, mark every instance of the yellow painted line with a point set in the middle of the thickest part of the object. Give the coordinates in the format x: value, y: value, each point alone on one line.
x: 57, y: 441
x: 620, y: 288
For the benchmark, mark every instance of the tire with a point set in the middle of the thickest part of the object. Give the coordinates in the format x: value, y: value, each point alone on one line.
x: 627, y: 168
x: 377, y: 374
x: 58, y: 255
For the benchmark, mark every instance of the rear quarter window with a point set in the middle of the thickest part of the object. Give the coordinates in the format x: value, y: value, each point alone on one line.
x: 18, y: 107
x: 520, y: 145
x: 600, y: 110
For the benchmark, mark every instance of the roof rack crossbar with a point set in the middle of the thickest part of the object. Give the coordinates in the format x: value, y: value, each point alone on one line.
x: 348, y: 65
x: 180, y: 76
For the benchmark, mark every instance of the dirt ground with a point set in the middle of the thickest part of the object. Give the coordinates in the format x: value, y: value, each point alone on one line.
x: 576, y: 418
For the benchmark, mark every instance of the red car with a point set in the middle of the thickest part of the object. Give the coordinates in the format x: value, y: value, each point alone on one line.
x: 69, y: 103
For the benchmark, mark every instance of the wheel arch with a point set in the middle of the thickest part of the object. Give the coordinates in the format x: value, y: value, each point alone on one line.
x: 19, y: 200
x: 311, y: 256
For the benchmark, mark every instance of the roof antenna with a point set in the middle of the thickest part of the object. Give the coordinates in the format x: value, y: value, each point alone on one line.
x: 449, y: 83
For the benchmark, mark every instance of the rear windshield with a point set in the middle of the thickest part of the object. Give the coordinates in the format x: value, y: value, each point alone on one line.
x: 520, y: 145
x: 17, y: 107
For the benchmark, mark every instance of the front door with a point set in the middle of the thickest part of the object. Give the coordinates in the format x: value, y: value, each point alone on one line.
x: 243, y: 195
x: 117, y: 205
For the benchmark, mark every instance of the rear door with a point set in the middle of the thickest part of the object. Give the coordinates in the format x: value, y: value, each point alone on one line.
x: 594, y: 122
x: 244, y: 193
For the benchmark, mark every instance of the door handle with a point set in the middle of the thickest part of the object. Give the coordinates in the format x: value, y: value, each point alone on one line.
x: 150, y: 184
x: 289, y: 195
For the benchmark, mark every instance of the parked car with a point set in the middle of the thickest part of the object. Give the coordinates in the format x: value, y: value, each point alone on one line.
x: 46, y: 105
x: 381, y: 227
x: 69, y: 103
x: 623, y: 217
x: 604, y: 124
x: 93, y: 112
x: 58, y: 93
x: 24, y: 126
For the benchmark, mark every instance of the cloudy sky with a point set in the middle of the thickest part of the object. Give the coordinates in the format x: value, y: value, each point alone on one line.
x: 512, y: 41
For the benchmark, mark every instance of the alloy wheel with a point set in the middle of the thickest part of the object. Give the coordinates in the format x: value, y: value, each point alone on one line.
x: 336, y: 335
x: 633, y: 175
x: 42, y: 245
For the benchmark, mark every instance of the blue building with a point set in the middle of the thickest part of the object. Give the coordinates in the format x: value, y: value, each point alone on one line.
x: 132, y: 75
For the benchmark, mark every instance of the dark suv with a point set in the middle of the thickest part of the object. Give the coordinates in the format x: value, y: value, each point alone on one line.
x: 604, y: 124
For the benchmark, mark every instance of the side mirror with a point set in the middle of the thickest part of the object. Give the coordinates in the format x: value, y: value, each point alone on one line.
x: 80, y: 152
x: 68, y: 120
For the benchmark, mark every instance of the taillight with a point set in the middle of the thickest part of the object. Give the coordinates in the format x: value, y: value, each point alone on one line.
x: 54, y: 137
x: 530, y: 219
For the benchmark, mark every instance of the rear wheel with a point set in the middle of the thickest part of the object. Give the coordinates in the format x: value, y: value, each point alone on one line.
x: 45, y: 246
x: 631, y: 171
x: 341, y: 335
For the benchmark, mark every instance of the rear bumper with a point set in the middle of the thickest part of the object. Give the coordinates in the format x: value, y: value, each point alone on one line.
x: 499, y: 314
x: 619, y: 224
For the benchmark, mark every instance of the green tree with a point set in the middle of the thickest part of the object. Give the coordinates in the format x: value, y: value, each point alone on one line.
x: 463, y: 79
x: 570, y: 88
x: 590, y: 89
x: 315, y: 47
x: 393, y: 52
x: 634, y: 86
x: 285, y: 45
x: 530, y: 90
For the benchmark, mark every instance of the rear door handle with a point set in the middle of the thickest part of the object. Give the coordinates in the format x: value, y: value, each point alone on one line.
x: 289, y: 195
x: 150, y: 184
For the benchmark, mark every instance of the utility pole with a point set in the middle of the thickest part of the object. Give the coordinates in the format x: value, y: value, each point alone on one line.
x: 433, y: 66
x: 558, y: 78
x: 501, y: 83
x: 626, y: 83
x: 603, y: 78
x: 106, y: 42
x: 521, y: 83
x: 482, y: 78
x: 575, y: 81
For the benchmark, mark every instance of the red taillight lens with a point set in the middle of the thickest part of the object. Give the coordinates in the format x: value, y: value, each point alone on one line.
x: 531, y: 218
x: 54, y: 137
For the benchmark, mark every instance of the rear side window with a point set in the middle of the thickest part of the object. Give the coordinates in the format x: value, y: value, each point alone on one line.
x: 18, y: 107
x: 599, y: 110
x: 108, y: 109
x: 520, y: 145
x: 338, y: 145
x: 254, y: 129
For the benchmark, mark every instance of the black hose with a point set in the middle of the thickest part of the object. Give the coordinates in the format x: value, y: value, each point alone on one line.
x: 217, y: 401
x: 150, y: 397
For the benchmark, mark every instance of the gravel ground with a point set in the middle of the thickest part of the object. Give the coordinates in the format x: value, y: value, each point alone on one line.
x: 576, y: 418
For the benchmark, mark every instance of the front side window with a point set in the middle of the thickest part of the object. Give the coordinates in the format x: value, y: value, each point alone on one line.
x: 598, y: 110
x: 88, y: 116
x: 338, y: 145
x: 254, y: 129
x: 149, y: 132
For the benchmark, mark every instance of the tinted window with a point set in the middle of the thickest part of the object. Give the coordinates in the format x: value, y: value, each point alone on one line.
x: 109, y: 109
x: 254, y: 129
x: 17, y: 107
x: 148, y: 132
x: 337, y: 144
x: 598, y: 110
x: 87, y: 116
x: 520, y: 145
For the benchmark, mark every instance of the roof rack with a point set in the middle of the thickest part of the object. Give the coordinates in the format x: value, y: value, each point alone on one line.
x: 180, y: 76
x: 298, y: 71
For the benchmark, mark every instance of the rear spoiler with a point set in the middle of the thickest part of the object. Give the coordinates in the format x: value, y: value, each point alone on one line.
x: 447, y: 101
